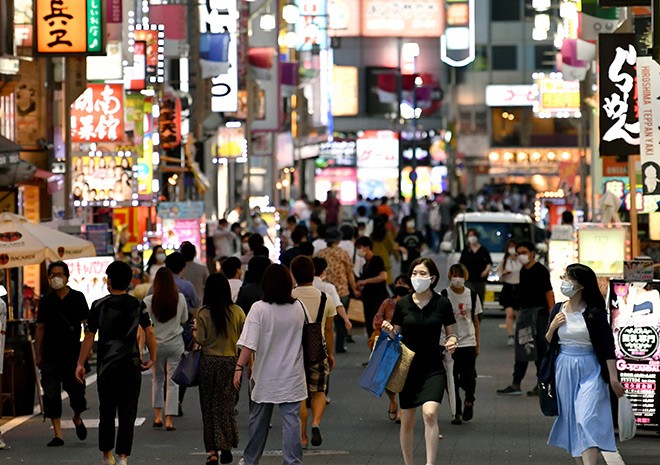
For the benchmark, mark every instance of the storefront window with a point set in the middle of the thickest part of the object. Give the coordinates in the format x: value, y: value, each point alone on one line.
x: 518, y: 127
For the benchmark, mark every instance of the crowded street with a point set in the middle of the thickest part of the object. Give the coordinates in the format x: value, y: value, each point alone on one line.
x: 504, y: 431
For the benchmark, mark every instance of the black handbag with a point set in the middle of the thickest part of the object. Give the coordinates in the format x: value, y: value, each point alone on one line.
x: 546, y: 383
x: 186, y: 373
x: 314, y: 348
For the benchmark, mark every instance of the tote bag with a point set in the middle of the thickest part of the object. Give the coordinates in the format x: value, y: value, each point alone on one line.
x: 381, y: 365
x: 187, y: 373
x: 400, y: 373
x: 546, y: 384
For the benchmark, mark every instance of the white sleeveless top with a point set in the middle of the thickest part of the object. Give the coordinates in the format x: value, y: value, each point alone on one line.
x: 574, y: 332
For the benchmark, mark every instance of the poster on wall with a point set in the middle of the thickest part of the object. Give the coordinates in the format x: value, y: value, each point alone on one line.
x: 635, y: 318
x: 648, y: 82
x: 102, y: 178
x: 88, y: 276
x: 603, y: 249
x: 619, y: 121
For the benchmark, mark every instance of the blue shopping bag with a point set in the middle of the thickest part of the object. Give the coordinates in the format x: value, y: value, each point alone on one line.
x: 383, y: 359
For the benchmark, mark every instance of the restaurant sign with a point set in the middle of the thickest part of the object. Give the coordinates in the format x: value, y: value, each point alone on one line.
x: 98, y: 114
x: 69, y: 27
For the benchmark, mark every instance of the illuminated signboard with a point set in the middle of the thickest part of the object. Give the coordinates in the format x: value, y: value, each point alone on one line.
x: 220, y: 19
x: 135, y: 77
x: 634, y: 309
x: 343, y: 18
x: 98, y: 114
x: 511, y: 96
x: 345, y: 91
x: 169, y: 123
x: 102, y: 178
x: 394, y: 18
x: 557, y: 98
x: 154, y: 38
x: 378, y: 149
x: 69, y: 27
x: 457, y: 44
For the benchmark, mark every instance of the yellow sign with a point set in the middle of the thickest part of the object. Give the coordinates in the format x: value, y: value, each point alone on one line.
x: 557, y: 95
x: 69, y: 27
x: 345, y: 91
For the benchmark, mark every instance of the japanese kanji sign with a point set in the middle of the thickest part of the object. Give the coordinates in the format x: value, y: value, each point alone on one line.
x: 170, y: 123
x: 69, y: 27
x: 619, y: 120
x: 648, y: 82
x: 98, y: 114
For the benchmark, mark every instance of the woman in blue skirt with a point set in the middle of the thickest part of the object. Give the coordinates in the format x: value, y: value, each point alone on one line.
x: 584, y: 368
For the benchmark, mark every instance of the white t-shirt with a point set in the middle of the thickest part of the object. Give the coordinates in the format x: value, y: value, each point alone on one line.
x: 170, y: 331
x: 574, y: 332
x: 462, y: 306
x: 274, y: 333
x: 235, y: 285
x: 319, y: 244
x: 329, y: 289
x: 311, y: 297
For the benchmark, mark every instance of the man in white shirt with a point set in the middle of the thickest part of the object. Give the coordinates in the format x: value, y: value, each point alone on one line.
x: 231, y: 268
x: 302, y: 269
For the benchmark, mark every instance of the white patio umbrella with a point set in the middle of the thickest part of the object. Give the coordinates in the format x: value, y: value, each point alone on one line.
x: 25, y: 243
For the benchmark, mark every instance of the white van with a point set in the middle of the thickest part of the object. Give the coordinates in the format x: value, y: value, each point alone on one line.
x: 495, y: 229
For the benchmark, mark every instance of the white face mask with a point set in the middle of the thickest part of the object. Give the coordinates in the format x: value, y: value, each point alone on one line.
x: 160, y: 257
x: 410, y: 224
x: 472, y: 239
x: 512, y: 251
x: 523, y: 259
x: 457, y: 282
x: 568, y: 289
x: 360, y: 252
x: 421, y: 284
x: 57, y: 283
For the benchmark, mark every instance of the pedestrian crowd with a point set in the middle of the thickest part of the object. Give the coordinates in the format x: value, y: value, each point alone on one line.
x: 247, y: 314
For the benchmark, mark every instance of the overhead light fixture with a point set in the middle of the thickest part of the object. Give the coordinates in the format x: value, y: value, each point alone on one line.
x: 267, y: 22
x: 410, y: 50
x: 290, y: 14
x: 290, y: 39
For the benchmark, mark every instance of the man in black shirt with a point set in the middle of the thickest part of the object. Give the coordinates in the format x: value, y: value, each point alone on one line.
x: 477, y: 260
x: 410, y: 241
x: 536, y: 300
x: 57, y: 344
x: 116, y: 318
x: 373, y: 281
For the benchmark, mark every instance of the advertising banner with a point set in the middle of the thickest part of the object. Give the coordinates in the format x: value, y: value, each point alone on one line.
x: 345, y: 91
x: 394, y: 18
x: 343, y: 181
x: 69, y: 27
x: 88, y: 276
x: 153, y: 37
x: 603, y: 249
x: 648, y: 99
x: 169, y: 122
x: 343, y: 18
x: 98, y: 114
x: 378, y: 149
x: 635, y: 317
x: 338, y: 153
x: 619, y: 121
x: 102, y: 178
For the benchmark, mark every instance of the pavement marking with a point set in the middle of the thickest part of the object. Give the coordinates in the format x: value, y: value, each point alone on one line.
x: 18, y: 421
x: 613, y: 458
x: 278, y: 453
x: 94, y: 423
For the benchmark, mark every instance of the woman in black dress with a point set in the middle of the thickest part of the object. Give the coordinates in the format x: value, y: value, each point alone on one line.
x: 419, y: 318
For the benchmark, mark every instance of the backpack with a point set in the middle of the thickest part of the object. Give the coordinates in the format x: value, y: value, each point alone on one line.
x: 473, y: 297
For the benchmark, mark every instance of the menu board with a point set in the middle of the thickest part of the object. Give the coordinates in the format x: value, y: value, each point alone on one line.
x: 635, y: 317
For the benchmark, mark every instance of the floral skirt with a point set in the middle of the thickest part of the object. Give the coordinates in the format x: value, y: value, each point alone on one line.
x: 218, y: 398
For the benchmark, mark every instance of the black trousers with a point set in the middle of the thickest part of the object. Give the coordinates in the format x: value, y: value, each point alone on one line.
x: 465, y: 375
x: 520, y: 367
x: 119, y: 391
x: 57, y: 375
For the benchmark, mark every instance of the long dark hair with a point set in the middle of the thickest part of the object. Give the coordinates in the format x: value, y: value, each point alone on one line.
x: 380, y: 228
x: 586, y: 278
x: 217, y: 298
x: 152, y: 258
x: 510, y: 243
x: 166, y: 296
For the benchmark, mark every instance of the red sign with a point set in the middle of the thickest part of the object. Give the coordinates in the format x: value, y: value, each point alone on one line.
x: 170, y: 123
x: 98, y: 114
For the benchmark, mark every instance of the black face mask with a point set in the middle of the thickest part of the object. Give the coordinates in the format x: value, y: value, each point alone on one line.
x: 401, y: 291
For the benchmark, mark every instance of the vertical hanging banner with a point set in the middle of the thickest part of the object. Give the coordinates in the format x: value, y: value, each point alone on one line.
x: 69, y: 27
x: 169, y: 122
x: 619, y: 120
x: 218, y: 26
x: 648, y: 82
x: 98, y: 114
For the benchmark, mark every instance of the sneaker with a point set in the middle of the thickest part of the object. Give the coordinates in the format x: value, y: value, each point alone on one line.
x: 3, y: 445
x: 468, y: 411
x: 509, y: 391
x: 108, y: 460
x: 534, y: 392
x: 316, y: 436
x: 457, y: 420
x: 122, y: 462
x: 511, y: 341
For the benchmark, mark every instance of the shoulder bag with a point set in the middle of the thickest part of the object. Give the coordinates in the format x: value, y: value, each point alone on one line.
x: 546, y: 380
x: 314, y: 347
x: 186, y: 373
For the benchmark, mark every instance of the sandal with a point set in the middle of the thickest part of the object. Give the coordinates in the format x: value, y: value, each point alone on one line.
x: 212, y: 459
x: 392, y: 414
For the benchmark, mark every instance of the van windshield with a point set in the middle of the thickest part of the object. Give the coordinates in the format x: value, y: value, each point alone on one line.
x: 494, y: 236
